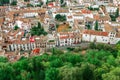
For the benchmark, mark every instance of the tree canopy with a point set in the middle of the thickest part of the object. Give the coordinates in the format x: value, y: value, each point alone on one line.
x: 115, y: 15
x: 14, y: 3
x: 96, y: 64
x: 61, y: 18
x: 2, y: 2
x: 93, y: 9
x: 96, y: 25
x: 38, y: 30
x: 16, y: 27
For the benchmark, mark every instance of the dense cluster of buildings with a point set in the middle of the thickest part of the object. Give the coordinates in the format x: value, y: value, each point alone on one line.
x: 67, y: 33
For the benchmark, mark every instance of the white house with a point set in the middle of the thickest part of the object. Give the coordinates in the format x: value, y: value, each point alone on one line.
x: 70, y: 18
x: 100, y: 37
x: 78, y: 16
x: 95, y: 36
x: 61, y: 12
x: 51, y: 42
x: 34, y: 2
x: 21, y: 25
x: 69, y: 38
x: 103, y: 2
x: 111, y: 9
x: 27, y: 44
x: 31, y: 14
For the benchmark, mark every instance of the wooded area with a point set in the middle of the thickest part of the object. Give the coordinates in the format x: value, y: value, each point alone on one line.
x: 100, y: 62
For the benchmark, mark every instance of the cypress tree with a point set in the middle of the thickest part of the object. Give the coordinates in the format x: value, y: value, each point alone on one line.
x: 96, y: 25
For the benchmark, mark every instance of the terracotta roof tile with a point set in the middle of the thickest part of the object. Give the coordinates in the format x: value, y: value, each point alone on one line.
x: 98, y: 33
x: 84, y: 11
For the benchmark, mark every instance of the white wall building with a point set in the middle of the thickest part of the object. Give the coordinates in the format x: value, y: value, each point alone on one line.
x: 69, y: 38
x: 33, y: 14
x: 110, y: 9
x: 100, y: 37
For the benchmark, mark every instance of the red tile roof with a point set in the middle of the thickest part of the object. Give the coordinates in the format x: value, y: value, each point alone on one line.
x: 66, y: 35
x: 50, y: 4
x: 85, y: 11
x: 93, y: 32
x: 37, y: 50
x: 96, y: 17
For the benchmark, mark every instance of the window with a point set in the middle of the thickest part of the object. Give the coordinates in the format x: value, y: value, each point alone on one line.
x: 10, y: 47
x: 66, y: 41
x: 79, y: 22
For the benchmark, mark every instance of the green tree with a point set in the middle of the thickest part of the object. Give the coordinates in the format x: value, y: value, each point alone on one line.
x: 7, y: 70
x: 72, y: 58
x: 56, y: 51
x: 2, y: 2
x: 56, y: 63
x: 26, y: 0
x: 16, y: 27
x: 103, y: 69
x: 113, y: 17
x: 111, y: 60
x: 92, y: 45
x: 117, y: 47
x: 117, y: 13
x: 61, y: 18
x: 39, y: 25
x: 117, y: 61
x: 29, y: 5
x: 40, y: 4
x: 52, y: 74
x: 3, y: 59
x: 96, y: 9
x: 88, y: 74
x: 112, y: 75
x: 61, y: 1
x: 14, y: 3
x: 57, y: 16
x: 57, y: 25
x: 96, y: 57
x: 98, y: 73
x: 90, y: 8
x: 25, y: 75
x: 98, y: 63
x: 63, y: 4
x: 47, y: 1
x: 38, y: 69
x: 88, y: 26
x: 96, y: 25
x: 107, y: 47
x: 38, y: 30
x: 70, y: 73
